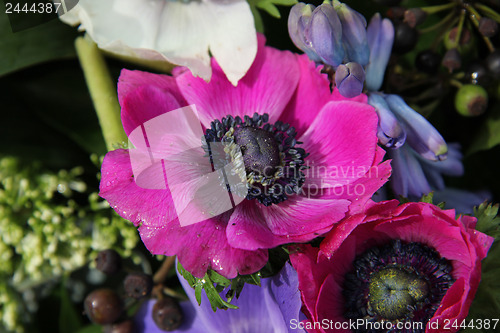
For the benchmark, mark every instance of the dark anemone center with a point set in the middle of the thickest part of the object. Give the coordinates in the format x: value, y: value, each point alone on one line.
x: 264, y: 155
x: 398, y: 282
x: 260, y: 150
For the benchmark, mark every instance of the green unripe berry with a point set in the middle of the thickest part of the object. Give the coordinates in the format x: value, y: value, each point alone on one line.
x: 471, y: 100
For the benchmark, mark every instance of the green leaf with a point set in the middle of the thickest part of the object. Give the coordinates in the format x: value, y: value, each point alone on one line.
x: 197, y: 292
x: 489, y: 134
x: 427, y: 198
x: 270, y: 8
x: 45, y: 42
x: 259, y: 25
x: 219, y: 279
x: 69, y: 320
x: 487, y: 220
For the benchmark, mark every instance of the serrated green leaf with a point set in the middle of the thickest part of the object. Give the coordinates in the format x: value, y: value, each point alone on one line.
x: 270, y: 8
x: 427, y: 198
x: 188, y: 276
x: 197, y: 292
x: 488, y: 220
x: 219, y: 279
x: 214, y: 297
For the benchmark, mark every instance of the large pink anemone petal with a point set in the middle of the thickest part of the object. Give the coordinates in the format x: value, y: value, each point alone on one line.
x: 130, y: 201
x: 299, y: 219
x: 342, y: 144
x: 267, y: 87
x: 313, y: 92
x: 144, y: 96
x: 202, y: 246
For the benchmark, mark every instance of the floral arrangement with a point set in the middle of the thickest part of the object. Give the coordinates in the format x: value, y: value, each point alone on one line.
x: 250, y: 166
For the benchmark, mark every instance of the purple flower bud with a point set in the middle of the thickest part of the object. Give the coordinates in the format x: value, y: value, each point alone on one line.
x: 421, y: 135
x: 325, y: 34
x: 298, y: 22
x: 349, y: 79
x: 380, y: 36
x: 390, y: 133
x: 353, y: 33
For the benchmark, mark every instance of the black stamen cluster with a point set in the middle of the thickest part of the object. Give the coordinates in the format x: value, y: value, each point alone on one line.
x: 288, y: 180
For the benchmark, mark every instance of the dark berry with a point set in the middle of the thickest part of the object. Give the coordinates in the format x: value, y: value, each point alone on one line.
x: 471, y: 100
x: 452, y: 60
x: 466, y: 41
x: 428, y: 61
x: 108, y: 262
x: 414, y: 17
x: 167, y: 314
x: 493, y: 62
x: 488, y: 27
x: 405, y: 37
x: 138, y: 285
x: 103, y: 306
x: 125, y: 326
x: 396, y: 13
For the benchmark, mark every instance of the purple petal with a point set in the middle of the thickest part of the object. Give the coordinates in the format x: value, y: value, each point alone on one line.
x: 259, y: 307
x: 325, y: 35
x: 285, y: 290
x: 380, y: 35
x: 420, y: 134
x: 390, y: 133
x: 353, y: 34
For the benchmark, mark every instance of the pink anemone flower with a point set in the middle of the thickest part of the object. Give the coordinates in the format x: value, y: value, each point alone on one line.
x: 305, y: 156
x: 408, y: 268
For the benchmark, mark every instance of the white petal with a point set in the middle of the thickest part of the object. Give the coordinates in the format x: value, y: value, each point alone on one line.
x: 182, y: 32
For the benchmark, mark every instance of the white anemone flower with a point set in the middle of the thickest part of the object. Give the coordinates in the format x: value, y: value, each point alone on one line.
x: 184, y: 32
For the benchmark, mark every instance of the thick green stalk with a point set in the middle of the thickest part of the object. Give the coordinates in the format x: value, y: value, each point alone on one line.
x: 102, y: 90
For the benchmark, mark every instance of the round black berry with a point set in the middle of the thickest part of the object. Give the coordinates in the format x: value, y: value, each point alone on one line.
x: 103, y: 306
x: 167, y: 314
x: 108, y: 261
x: 405, y: 37
x: 138, y: 285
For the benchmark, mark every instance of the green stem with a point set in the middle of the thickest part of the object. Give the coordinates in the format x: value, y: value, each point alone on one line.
x: 444, y: 21
x: 436, y: 9
x: 102, y: 90
x: 460, y: 26
x: 456, y: 83
x: 488, y: 12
